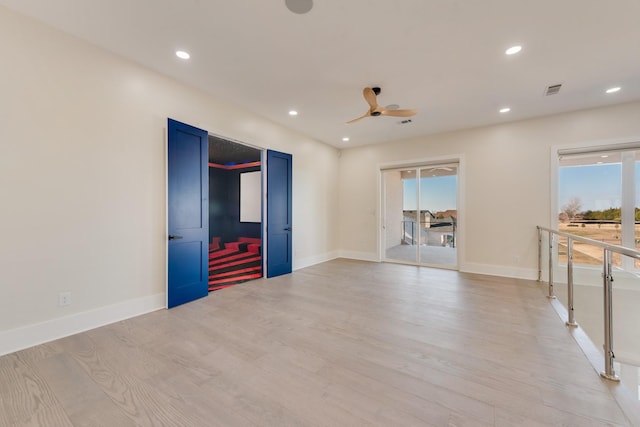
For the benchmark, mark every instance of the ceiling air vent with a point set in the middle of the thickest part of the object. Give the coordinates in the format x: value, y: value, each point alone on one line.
x: 552, y: 90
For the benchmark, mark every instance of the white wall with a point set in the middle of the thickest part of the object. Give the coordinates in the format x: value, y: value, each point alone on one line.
x: 82, y: 173
x: 506, y: 181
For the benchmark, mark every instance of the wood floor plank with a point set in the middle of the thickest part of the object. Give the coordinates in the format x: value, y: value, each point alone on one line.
x: 215, y: 406
x: 429, y: 413
x: 82, y: 398
x: 47, y: 416
x: 25, y: 395
x: 299, y: 393
x: 257, y: 404
x: 137, y: 399
x: 4, y: 411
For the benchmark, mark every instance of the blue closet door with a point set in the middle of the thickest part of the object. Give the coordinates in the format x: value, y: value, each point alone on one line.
x: 188, y: 211
x: 279, y: 214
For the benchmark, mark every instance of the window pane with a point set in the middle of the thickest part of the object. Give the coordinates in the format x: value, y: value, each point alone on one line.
x: 590, y: 193
x: 400, y: 215
x: 438, y: 214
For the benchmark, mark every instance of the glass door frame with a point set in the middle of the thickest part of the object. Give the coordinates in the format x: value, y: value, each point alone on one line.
x: 455, y: 160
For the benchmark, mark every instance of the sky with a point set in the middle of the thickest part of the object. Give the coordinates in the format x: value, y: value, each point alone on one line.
x: 436, y: 193
x: 598, y: 187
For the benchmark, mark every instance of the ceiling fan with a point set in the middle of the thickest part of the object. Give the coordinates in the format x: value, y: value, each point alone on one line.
x: 370, y: 95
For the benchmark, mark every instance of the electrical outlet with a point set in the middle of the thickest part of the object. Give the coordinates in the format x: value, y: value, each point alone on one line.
x: 64, y: 298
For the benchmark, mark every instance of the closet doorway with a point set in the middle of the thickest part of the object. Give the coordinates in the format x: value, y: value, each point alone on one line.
x: 420, y: 215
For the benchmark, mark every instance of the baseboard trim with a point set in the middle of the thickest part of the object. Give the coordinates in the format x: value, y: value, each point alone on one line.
x: 628, y: 358
x: 360, y: 256
x: 313, y: 260
x: 485, y: 269
x: 499, y: 270
x: 28, y: 336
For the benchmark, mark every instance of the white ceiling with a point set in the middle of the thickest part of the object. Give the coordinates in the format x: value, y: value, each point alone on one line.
x: 443, y: 57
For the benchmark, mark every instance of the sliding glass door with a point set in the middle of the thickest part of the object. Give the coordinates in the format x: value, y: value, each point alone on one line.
x: 420, y: 215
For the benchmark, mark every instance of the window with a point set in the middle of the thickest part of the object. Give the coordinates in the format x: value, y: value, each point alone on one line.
x: 598, y: 198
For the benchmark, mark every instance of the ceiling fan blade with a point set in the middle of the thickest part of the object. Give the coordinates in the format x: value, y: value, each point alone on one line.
x: 359, y: 118
x: 370, y: 97
x: 398, y: 113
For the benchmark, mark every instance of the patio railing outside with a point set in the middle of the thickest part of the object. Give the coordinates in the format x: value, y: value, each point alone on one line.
x: 433, y: 233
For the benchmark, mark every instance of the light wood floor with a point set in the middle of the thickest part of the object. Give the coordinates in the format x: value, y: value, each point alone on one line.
x: 343, y: 343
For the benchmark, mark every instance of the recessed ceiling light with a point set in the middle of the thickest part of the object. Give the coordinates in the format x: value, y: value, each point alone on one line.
x: 613, y: 89
x: 599, y: 163
x: 505, y: 110
x: 604, y: 156
x: 345, y: 139
x: 293, y: 113
x: 513, y: 50
x: 182, y: 54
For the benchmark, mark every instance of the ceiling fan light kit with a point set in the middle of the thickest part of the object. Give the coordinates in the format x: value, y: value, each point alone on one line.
x: 370, y: 95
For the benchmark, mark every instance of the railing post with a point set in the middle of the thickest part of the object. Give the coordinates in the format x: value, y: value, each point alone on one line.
x: 539, y: 254
x: 413, y: 233
x: 571, y: 321
x: 609, y: 372
x: 551, y: 295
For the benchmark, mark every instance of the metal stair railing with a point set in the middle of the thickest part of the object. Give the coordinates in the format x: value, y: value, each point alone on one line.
x: 608, y: 250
